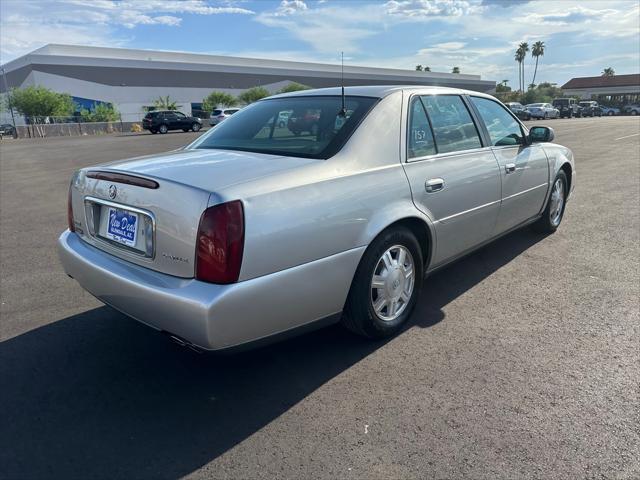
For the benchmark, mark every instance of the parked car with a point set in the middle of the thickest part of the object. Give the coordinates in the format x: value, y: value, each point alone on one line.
x: 632, y: 109
x: 519, y: 110
x: 542, y: 110
x: 218, y: 116
x: 568, y: 107
x: 161, y: 121
x: 6, y: 129
x: 590, y: 108
x: 283, y: 119
x: 304, y: 120
x: 244, y: 235
x: 610, y: 111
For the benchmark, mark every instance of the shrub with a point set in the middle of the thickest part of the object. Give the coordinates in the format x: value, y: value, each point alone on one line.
x: 294, y: 87
x: 218, y: 99
x: 136, y: 127
x: 101, y: 112
x: 253, y: 95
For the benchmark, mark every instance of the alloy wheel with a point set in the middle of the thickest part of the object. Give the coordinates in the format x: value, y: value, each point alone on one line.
x: 392, y: 283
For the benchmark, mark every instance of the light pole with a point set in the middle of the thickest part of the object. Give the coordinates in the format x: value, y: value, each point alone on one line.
x: 6, y: 89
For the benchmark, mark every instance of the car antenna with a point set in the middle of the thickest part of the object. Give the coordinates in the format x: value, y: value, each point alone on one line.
x: 343, y: 111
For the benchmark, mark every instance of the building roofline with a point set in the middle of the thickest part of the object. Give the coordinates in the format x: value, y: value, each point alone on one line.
x: 75, y: 54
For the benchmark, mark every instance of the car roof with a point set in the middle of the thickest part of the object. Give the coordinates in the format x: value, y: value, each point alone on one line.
x: 380, y: 91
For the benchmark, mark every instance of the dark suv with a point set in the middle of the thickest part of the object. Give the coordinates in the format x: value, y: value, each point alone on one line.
x: 590, y: 109
x: 164, y: 120
x: 568, y: 107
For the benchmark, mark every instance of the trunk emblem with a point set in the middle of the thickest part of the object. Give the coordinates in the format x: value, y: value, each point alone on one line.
x: 113, y: 191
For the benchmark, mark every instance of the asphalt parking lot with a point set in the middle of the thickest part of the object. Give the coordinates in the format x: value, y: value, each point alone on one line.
x: 522, y: 360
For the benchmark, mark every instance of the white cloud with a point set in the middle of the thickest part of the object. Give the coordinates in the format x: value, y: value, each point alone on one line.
x: 431, y: 8
x: 27, y: 25
x: 289, y: 7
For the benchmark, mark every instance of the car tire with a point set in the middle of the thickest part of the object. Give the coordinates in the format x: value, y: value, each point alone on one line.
x: 281, y: 125
x: 546, y: 115
x: 163, y: 129
x: 634, y: 112
x: 380, y: 312
x: 195, y: 127
x: 554, y: 211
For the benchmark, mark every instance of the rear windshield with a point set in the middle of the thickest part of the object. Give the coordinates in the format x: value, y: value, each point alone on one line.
x: 305, y: 126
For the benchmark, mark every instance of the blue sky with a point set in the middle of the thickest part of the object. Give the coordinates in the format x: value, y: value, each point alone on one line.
x: 479, y: 36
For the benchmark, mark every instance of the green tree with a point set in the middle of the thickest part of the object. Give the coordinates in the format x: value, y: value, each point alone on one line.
x: 537, y: 51
x: 218, y: 99
x: 253, y: 95
x: 41, y: 102
x: 519, y: 57
x: 455, y: 70
x: 608, y: 72
x: 523, y: 48
x: 166, y: 103
x: 419, y: 68
x: 101, y: 112
x: 294, y: 87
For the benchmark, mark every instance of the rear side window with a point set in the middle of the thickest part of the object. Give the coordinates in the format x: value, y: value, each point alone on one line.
x: 503, y: 129
x: 312, y: 127
x: 453, y: 127
x: 420, y: 137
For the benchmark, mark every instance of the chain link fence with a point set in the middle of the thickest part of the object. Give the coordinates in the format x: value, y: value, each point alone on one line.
x: 41, y: 127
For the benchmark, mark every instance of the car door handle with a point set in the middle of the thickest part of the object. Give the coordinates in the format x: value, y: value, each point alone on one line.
x: 434, y: 185
x: 510, y: 168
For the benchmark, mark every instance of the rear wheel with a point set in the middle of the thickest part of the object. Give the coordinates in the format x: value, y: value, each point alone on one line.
x: 386, y: 285
x: 195, y: 127
x: 163, y: 129
x: 610, y: 113
x: 553, y: 213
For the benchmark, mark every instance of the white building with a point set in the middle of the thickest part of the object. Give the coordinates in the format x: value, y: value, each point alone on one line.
x: 133, y: 79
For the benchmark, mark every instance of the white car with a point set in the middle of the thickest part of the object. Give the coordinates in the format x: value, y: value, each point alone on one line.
x: 219, y: 115
x: 542, y: 110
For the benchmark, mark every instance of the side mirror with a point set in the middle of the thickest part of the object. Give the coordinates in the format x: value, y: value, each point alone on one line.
x: 541, y: 134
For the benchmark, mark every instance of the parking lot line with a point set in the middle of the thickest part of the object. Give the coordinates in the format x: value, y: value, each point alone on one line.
x: 627, y: 136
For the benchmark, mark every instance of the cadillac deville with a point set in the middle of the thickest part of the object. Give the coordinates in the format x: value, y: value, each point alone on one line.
x: 254, y: 230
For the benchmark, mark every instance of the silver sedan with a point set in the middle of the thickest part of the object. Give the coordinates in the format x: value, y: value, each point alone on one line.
x: 542, y: 110
x: 253, y: 231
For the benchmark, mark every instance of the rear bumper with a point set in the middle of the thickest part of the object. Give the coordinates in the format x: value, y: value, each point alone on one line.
x: 213, y: 317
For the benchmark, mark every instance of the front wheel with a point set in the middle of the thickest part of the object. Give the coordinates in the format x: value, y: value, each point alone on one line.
x: 553, y: 213
x: 386, y: 285
x: 195, y: 127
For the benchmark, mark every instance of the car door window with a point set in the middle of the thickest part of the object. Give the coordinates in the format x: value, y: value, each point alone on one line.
x: 420, y: 136
x: 503, y: 129
x: 453, y: 127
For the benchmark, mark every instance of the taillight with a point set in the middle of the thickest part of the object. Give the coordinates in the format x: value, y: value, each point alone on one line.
x: 220, y: 243
x: 72, y: 227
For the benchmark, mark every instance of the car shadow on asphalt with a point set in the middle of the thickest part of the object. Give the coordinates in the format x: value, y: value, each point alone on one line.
x: 97, y: 395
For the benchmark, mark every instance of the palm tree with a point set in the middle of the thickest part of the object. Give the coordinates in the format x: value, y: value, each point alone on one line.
x: 608, y: 72
x: 537, y: 51
x: 524, y: 48
x: 418, y: 68
x: 519, y: 57
x: 455, y: 70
